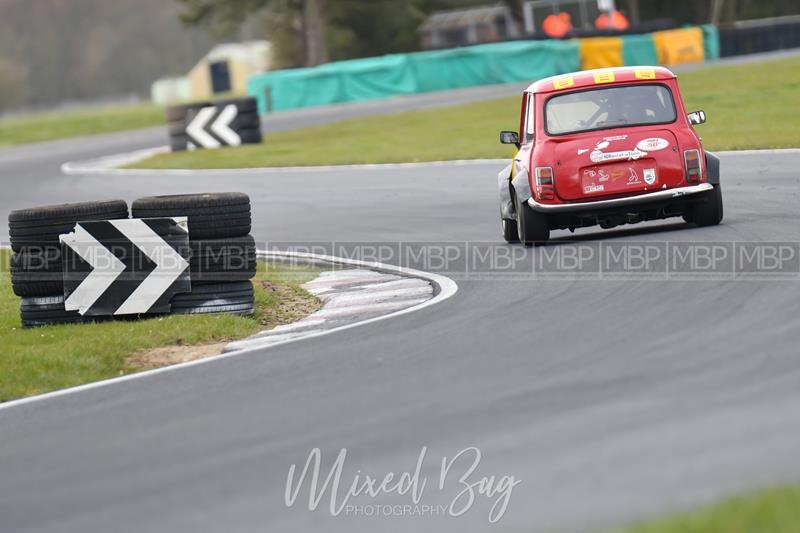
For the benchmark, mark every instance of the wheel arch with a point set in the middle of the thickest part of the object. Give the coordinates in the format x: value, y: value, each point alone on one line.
x: 504, y: 188
x: 522, y: 183
x: 712, y: 168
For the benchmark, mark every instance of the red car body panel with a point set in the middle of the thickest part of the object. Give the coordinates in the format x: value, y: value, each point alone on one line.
x: 610, y: 162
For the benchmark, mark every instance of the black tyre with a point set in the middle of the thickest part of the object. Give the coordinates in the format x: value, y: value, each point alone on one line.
x: 251, y: 136
x: 179, y: 143
x: 179, y: 112
x: 509, y: 228
x: 532, y: 226
x: 244, y: 105
x: 37, y: 272
x: 224, y: 298
x: 177, y: 128
x: 48, y: 311
x: 40, y: 226
x: 211, y: 216
x: 709, y: 211
x: 225, y: 260
x: 246, y: 121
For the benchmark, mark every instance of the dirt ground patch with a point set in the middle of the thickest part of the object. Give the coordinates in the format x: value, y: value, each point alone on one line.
x: 294, y: 305
x: 284, y: 304
x: 173, y: 355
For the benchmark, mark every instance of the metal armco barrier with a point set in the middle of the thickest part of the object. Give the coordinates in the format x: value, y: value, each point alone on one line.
x: 208, y: 125
x: 764, y: 35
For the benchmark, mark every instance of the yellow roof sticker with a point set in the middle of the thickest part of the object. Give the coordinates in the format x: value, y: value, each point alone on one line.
x: 563, y: 83
x: 645, y: 74
x: 604, y: 77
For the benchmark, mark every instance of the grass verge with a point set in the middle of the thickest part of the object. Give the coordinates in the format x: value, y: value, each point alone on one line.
x: 62, y: 125
x: 771, y: 511
x: 35, y: 361
x: 748, y: 106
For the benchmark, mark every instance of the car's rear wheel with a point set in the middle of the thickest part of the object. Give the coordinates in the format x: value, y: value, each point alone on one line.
x: 510, y: 233
x: 532, y: 226
x: 708, y: 212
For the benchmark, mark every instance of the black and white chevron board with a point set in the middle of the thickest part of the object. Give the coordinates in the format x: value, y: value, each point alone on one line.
x: 207, y: 125
x: 126, y: 266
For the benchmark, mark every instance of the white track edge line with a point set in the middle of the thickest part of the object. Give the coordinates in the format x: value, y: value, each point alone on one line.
x: 96, y: 166
x: 86, y: 168
x: 765, y: 151
x: 446, y: 288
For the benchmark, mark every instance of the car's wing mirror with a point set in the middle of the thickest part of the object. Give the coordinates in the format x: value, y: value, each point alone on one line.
x: 697, y: 117
x: 509, y: 137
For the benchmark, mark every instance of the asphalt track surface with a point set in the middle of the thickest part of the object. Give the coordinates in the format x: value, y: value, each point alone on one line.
x: 609, y: 400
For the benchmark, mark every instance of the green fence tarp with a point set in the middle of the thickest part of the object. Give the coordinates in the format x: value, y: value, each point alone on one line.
x: 710, y: 41
x: 532, y: 60
x: 639, y: 50
x: 372, y: 78
x: 381, y: 77
x: 368, y: 79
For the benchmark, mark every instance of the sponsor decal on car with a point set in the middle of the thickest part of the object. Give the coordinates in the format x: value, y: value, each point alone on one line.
x: 618, y: 174
x: 652, y: 144
x: 598, y: 156
x: 603, y: 144
x: 649, y: 176
x: 633, y: 177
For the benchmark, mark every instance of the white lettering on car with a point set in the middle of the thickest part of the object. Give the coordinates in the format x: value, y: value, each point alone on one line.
x: 597, y: 156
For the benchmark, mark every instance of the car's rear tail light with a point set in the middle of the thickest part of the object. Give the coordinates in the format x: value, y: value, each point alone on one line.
x: 694, y: 169
x: 545, y: 183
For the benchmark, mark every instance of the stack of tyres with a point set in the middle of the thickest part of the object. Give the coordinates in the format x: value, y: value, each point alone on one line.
x: 215, y: 124
x: 223, y: 253
x: 177, y: 119
x: 36, y: 266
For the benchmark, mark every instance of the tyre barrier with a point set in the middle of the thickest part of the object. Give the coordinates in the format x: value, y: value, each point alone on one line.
x: 221, y: 254
x: 231, y: 298
x: 207, y: 125
x: 211, y: 216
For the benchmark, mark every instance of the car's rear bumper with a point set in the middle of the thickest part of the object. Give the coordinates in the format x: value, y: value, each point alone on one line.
x: 639, y: 199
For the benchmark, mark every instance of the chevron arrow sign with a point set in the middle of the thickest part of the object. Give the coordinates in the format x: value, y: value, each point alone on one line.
x: 125, y: 267
x: 211, y: 127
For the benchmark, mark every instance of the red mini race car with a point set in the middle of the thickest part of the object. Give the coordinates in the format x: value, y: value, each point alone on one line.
x: 608, y: 147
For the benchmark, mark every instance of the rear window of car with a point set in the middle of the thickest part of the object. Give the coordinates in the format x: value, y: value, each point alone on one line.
x: 611, y: 107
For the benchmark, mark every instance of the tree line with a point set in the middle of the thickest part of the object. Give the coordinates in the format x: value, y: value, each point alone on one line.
x: 310, y: 32
x: 53, y: 51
